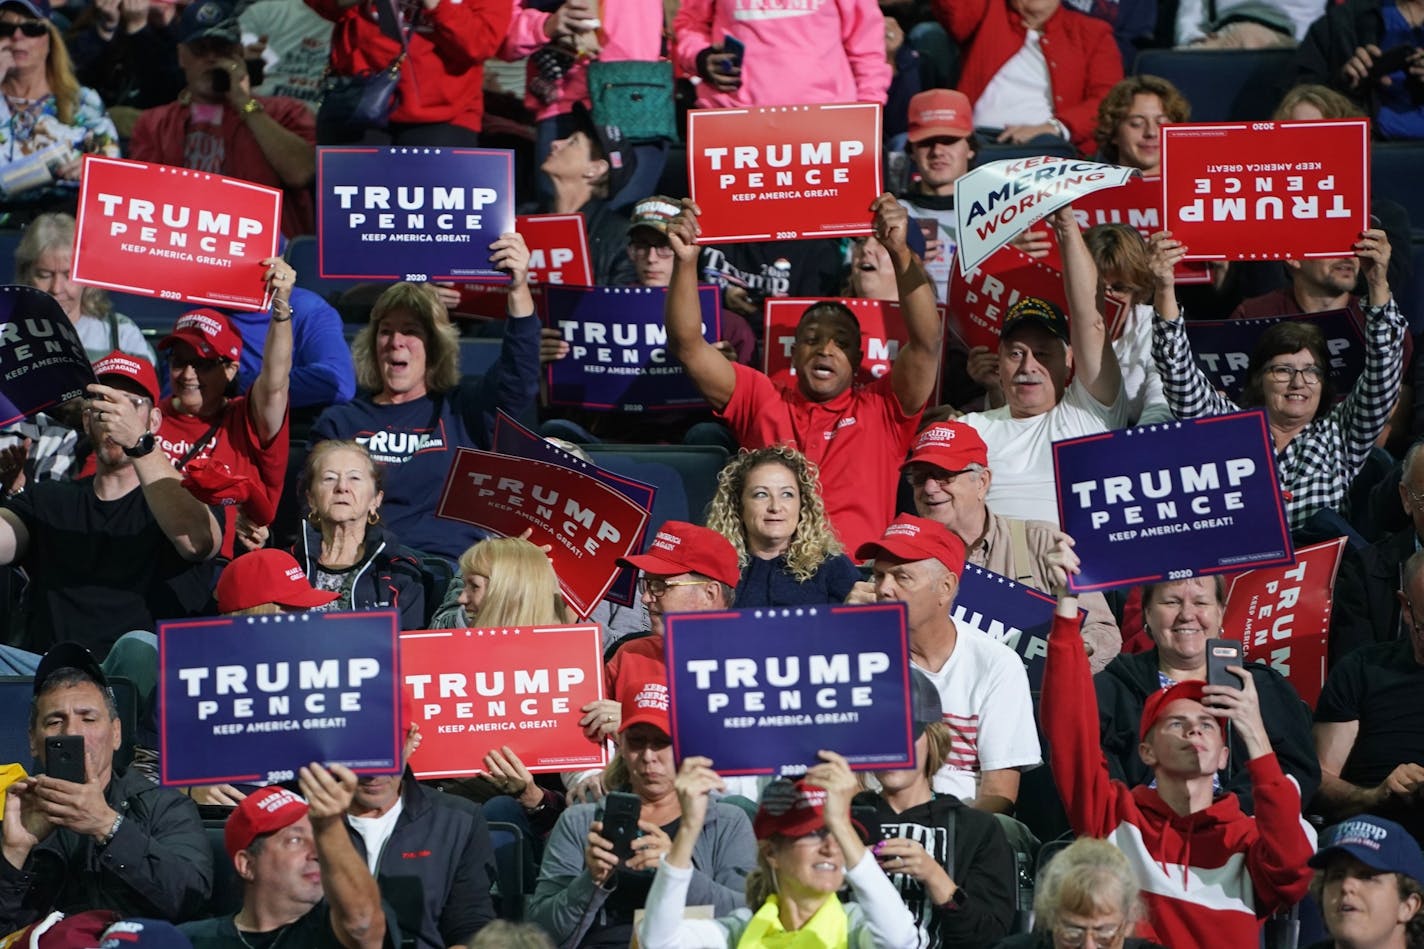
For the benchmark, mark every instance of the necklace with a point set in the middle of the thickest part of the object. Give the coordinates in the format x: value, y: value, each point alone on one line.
x: 281, y: 933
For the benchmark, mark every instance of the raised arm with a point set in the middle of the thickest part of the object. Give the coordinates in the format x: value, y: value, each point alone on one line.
x: 271, y: 389
x: 1094, y: 362
x: 706, y: 366
x: 913, y: 374
x: 1365, y: 411
x: 357, y: 920
x: 1188, y: 392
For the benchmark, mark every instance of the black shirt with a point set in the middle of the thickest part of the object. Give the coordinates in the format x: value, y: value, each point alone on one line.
x: 312, y: 931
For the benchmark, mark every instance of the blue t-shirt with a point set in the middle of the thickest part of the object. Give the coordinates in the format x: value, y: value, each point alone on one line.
x: 414, y: 442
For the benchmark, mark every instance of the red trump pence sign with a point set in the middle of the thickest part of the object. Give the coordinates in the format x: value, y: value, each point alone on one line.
x: 558, y: 254
x: 784, y: 172
x: 174, y: 233
x: 1267, y: 190
x: 474, y: 690
x: 882, y: 333
x: 979, y: 299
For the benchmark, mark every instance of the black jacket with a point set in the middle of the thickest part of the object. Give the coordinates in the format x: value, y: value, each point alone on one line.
x: 981, y: 864
x: 608, y: 245
x: 1123, y: 688
x: 158, y: 864
x: 1332, y: 40
x: 388, y: 578
x: 1366, y: 609
x: 436, y: 868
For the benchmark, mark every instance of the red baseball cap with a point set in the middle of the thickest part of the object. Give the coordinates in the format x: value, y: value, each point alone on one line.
x: 209, y: 332
x: 268, y: 575
x: 646, y: 703
x: 131, y: 369
x: 917, y: 538
x: 1158, y: 701
x: 953, y: 446
x: 790, y: 810
x: 937, y: 113
x: 261, y: 812
x: 681, y: 547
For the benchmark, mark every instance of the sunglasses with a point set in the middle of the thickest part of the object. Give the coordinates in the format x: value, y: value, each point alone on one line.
x: 31, y: 28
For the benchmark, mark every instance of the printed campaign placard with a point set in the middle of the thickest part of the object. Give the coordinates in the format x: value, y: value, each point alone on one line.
x: 618, y: 357
x: 174, y: 233
x: 246, y: 699
x: 1015, y: 615
x: 784, y: 172
x: 882, y: 333
x: 42, y: 361
x: 759, y: 691
x: 475, y: 690
x: 979, y: 299
x: 414, y: 214
x: 1171, y: 501
x: 586, y: 524
x: 1267, y: 190
x: 511, y: 438
x: 558, y: 254
x: 995, y: 202
x: 1282, y: 615
x: 1223, y: 348
x: 1138, y: 204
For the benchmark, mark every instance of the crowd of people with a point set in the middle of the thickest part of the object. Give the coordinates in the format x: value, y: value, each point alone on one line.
x: 259, y: 464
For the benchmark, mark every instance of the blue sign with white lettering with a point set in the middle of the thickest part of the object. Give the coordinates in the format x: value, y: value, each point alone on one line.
x: 250, y: 699
x: 42, y: 361
x: 1015, y: 615
x: 760, y: 691
x: 415, y: 214
x: 618, y: 357
x: 1222, y: 348
x: 1171, y: 501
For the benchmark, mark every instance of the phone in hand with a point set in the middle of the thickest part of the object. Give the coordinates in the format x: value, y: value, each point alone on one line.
x: 620, y: 822
x: 1391, y: 60
x: 64, y: 758
x: 220, y: 80
x: 1221, y: 653
x: 738, y: 49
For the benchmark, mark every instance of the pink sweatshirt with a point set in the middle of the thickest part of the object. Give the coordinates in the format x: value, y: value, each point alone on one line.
x: 798, y: 52
x: 634, y: 30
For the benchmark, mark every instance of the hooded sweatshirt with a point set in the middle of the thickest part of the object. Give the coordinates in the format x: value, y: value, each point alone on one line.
x: 1208, y: 878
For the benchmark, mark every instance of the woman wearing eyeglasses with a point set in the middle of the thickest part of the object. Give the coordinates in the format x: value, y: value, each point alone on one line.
x: 49, y: 119
x: 1320, y: 444
x: 1087, y: 897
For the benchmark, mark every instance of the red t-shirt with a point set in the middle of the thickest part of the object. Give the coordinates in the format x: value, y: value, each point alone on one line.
x: 859, y: 440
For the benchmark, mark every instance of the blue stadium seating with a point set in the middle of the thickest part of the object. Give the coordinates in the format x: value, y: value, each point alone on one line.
x: 1223, y: 85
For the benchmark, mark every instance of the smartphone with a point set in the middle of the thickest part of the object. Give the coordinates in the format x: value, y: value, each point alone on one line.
x: 64, y: 758
x: 1221, y: 653
x: 1390, y: 61
x: 620, y: 822
x: 220, y: 80
x: 730, y: 44
x: 867, y: 819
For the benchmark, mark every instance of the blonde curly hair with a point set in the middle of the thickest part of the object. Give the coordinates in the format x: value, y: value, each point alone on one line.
x: 813, y: 542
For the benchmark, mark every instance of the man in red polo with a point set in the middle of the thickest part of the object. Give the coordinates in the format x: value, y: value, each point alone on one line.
x: 857, y: 435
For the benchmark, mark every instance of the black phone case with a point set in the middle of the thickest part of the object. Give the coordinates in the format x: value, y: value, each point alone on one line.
x: 1216, y: 673
x: 620, y: 822
x: 64, y: 758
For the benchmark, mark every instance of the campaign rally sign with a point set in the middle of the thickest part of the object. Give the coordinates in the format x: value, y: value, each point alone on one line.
x: 474, y: 690
x: 413, y: 214
x: 618, y: 357
x: 1171, y: 501
x: 558, y: 254
x: 586, y: 524
x: 511, y: 438
x: 784, y: 172
x: 174, y: 233
x: 250, y: 699
x: 882, y: 333
x: 42, y: 361
x: 995, y: 202
x: 1223, y: 348
x: 759, y: 691
x: 979, y: 298
x: 1138, y: 204
x: 1015, y: 615
x: 1282, y: 615
x: 1267, y: 190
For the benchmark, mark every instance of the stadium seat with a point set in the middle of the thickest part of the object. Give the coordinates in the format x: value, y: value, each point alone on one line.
x: 990, y: 152
x: 1394, y: 174
x: 9, y: 240
x: 478, y: 354
x: 685, y: 475
x: 1223, y: 85
x: 154, y: 316
x: 227, y: 886
x: 509, y: 872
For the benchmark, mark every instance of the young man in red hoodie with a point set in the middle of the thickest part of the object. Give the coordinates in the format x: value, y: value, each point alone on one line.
x: 1210, y: 874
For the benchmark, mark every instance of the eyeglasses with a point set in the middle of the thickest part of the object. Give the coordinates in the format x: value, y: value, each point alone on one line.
x: 918, y: 478
x: 655, y: 587
x: 1071, y: 935
x: 30, y: 28
x: 1310, y: 375
x: 202, y: 365
x: 661, y: 251
x: 640, y: 743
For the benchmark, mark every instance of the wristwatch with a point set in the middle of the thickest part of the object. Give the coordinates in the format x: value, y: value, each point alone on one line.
x: 143, y: 446
x: 251, y: 106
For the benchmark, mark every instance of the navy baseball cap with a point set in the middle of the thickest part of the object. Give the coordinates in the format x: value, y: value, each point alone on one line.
x: 39, y: 9
x: 209, y: 18
x: 1377, y: 843
x: 69, y: 655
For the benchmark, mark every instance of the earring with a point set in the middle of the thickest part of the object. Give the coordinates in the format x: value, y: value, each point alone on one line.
x: 373, y: 518
x: 312, y: 519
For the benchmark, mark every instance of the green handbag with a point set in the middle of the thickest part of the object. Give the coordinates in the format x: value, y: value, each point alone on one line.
x: 635, y: 96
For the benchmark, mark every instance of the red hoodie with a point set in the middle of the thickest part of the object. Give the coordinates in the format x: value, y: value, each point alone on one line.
x: 1208, y: 878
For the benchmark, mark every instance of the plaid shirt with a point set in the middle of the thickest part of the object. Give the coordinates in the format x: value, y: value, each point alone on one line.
x: 53, y: 448
x: 1316, y: 467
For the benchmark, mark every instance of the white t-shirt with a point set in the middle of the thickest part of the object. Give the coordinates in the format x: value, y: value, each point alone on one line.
x: 298, y: 47
x: 1019, y: 93
x: 984, y: 690
x: 1141, y: 384
x: 375, y: 831
x: 1021, y: 449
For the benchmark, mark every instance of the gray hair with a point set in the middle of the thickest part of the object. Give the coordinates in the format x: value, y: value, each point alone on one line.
x: 1088, y: 877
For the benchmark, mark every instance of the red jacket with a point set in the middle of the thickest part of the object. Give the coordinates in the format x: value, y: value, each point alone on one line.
x: 1083, y: 59
x: 1208, y: 878
x: 443, y: 78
